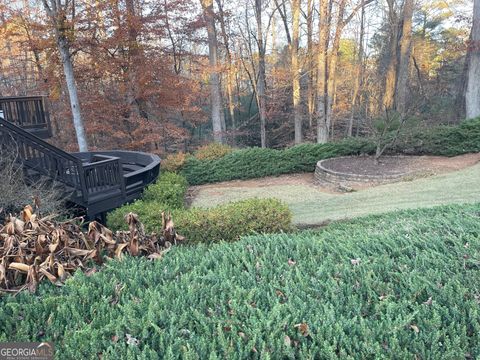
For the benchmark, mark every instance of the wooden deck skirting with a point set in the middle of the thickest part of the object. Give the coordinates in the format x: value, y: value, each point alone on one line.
x: 97, y: 181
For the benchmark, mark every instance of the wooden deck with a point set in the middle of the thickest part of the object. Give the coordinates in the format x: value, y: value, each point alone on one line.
x: 96, y: 181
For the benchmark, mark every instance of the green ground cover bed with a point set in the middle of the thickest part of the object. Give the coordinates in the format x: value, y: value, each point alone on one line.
x: 402, y: 285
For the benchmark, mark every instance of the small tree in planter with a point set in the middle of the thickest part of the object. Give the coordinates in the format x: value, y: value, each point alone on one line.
x: 388, y: 128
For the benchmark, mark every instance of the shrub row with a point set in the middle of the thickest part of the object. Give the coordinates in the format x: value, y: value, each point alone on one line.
x: 169, y: 190
x: 256, y: 162
x: 412, y: 291
x: 175, y: 162
x: 225, y: 222
x: 443, y: 140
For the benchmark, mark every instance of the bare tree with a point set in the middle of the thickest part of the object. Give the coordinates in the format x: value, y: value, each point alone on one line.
x: 323, y: 28
x: 332, y: 65
x: 359, y: 70
x: 310, y: 63
x: 261, y: 79
x: 218, y: 118
x: 135, y: 54
x: 404, y: 58
x: 57, y: 14
x: 230, y: 67
x: 326, y: 84
x: 472, y: 96
x: 390, y: 77
x: 297, y: 109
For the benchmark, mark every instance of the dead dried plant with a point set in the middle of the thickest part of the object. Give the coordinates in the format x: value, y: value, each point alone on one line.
x: 33, y: 249
x: 17, y: 190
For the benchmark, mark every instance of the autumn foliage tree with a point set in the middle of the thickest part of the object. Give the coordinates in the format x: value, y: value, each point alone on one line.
x: 170, y: 75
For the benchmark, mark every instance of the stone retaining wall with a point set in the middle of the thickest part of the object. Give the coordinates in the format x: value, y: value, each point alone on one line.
x: 323, y: 174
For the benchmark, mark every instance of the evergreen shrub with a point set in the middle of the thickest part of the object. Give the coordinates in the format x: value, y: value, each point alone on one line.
x: 443, y: 140
x: 174, y: 162
x: 169, y: 189
x: 212, y: 151
x: 257, y: 162
x: 222, y: 223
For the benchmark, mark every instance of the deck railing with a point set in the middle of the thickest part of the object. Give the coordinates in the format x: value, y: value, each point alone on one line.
x: 30, y: 113
x: 102, y: 174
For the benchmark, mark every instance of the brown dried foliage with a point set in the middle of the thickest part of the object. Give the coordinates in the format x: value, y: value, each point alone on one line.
x: 33, y: 249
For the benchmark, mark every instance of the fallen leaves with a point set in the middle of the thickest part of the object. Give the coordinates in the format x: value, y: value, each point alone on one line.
x: 302, y: 328
x: 34, y: 249
x: 131, y: 340
x: 415, y: 328
x: 429, y: 301
x: 355, y: 262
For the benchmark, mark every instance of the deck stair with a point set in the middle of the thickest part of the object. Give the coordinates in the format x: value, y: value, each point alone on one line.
x: 97, y: 181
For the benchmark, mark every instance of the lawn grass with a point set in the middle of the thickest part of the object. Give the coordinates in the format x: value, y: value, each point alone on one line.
x: 311, y: 206
x: 411, y: 291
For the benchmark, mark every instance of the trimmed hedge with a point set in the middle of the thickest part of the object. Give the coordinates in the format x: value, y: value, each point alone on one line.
x: 413, y: 292
x: 222, y: 223
x: 169, y: 189
x: 256, y: 162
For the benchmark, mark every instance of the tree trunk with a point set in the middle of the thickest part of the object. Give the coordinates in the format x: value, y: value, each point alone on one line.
x: 72, y: 92
x: 332, y: 69
x: 230, y: 70
x: 297, y: 110
x: 404, y: 59
x: 323, y: 27
x: 391, y: 75
x: 358, y: 72
x: 310, y: 64
x: 133, y: 59
x: 57, y: 15
x: 261, y: 74
x: 472, y: 96
x: 218, y: 119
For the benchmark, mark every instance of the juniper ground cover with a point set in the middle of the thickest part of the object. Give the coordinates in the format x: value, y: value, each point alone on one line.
x: 402, y: 285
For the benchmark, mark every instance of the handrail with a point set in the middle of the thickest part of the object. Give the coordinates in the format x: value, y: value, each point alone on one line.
x: 17, y: 129
x: 15, y: 98
x: 43, y: 157
x: 91, y: 178
x: 98, y: 181
x: 26, y: 111
x: 102, y: 176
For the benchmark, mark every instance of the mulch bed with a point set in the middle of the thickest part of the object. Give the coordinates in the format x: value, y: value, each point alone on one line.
x: 366, y: 166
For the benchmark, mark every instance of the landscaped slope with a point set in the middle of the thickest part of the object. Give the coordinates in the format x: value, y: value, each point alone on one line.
x: 311, y: 206
x: 404, y: 285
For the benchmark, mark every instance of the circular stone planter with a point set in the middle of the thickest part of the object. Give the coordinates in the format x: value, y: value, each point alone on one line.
x: 362, y: 169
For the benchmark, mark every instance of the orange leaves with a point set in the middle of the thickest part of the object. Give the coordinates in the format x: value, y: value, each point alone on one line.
x: 33, y: 249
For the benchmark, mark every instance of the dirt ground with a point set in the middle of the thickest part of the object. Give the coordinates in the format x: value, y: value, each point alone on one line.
x: 422, y: 166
